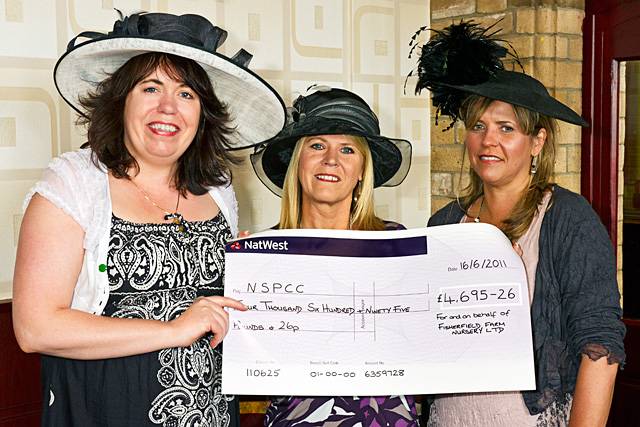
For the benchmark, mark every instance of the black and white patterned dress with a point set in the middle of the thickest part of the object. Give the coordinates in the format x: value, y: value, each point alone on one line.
x: 155, y: 272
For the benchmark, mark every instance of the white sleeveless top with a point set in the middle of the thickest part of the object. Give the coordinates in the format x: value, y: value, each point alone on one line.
x: 74, y: 184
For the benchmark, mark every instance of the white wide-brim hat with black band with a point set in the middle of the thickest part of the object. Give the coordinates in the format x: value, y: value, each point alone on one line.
x: 257, y: 112
x: 331, y: 111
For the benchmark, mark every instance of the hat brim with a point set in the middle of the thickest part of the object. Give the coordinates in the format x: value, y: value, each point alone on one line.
x: 257, y: 112
x: 522, y: 90
x: 391, y: 157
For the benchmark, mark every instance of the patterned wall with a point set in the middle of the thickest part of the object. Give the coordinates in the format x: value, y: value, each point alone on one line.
x: 360, y: 45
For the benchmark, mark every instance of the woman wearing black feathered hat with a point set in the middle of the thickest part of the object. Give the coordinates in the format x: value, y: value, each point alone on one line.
x: 325, y: 163
x: 511, y: 132
x: 118, y: 278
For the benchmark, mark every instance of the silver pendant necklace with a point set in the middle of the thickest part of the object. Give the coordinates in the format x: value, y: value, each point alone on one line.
x: 477, y: 218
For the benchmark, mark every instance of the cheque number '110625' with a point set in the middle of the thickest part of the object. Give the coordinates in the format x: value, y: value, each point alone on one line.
x: 262, y: 372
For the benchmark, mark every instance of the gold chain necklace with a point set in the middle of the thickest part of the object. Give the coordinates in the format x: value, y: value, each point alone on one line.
x: 175, y: 217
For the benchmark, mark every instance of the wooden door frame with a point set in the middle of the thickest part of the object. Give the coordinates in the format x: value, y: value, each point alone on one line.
x: 611, y: 32
x: 605, y: 21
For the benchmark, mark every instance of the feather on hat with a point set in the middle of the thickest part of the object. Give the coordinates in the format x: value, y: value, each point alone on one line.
x: 464, y: 59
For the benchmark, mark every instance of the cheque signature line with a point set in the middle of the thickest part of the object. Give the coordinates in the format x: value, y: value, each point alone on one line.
x: 348, y: 314
x: 322, y: 330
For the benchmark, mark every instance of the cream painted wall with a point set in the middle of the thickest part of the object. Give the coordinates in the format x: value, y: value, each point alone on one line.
x: 361, y: 45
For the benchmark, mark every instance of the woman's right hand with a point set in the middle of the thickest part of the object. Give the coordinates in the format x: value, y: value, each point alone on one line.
x: 206, y: 314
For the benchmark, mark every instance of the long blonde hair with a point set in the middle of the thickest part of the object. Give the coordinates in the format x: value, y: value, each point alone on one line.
x: 362, y: 215
x: 530, y: 122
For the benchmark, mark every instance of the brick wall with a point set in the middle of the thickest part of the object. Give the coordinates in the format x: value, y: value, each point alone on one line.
x: 622, y: 116
x: 548, y: 38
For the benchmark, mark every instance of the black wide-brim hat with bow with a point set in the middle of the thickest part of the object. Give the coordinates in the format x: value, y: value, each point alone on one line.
x: 257, y: 112
x: 330, y: 111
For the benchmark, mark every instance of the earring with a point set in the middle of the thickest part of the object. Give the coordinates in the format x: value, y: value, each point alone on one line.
x: 534, y: 165
x: 357, y: 191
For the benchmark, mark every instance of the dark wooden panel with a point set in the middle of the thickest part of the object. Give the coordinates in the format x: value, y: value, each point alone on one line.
x: 631, y: 270
x: 624, y: 408
x: 632, y: 348
x: 24, y: 420
x: 600, y: 108
x: 20, y: 402
x: 252, y: 420
x: 611, y: 30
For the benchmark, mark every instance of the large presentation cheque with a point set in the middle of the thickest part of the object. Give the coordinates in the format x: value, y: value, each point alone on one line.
x: 435, y: 310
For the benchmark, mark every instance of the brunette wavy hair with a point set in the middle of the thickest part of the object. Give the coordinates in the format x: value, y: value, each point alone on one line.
x: 204, y: 164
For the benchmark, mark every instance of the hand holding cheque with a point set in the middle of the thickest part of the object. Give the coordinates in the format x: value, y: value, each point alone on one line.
x: 435, y: 310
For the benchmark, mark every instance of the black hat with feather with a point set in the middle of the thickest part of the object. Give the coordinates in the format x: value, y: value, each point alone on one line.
x: 465, y: 59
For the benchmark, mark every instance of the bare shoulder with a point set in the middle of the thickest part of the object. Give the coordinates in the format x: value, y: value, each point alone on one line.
x: 50, y: 251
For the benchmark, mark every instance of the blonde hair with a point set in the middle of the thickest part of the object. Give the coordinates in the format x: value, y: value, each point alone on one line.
x: 527, y: 206
x: 362, y: 215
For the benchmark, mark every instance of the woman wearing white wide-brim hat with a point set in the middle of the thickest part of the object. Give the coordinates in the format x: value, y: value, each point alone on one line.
x: 118, y: 278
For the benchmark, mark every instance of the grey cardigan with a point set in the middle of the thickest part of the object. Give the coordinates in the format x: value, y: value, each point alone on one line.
x: 576, y: 303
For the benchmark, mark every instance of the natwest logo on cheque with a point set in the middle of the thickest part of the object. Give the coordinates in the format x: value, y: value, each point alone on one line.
x: 262, y: 245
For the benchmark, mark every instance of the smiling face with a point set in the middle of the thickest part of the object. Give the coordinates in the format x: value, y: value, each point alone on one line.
x: 161, y: 117
x: 499, y: 151
x: 329, y: 169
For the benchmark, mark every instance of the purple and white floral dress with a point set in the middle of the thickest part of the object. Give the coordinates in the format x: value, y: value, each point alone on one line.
x: 394, y: 411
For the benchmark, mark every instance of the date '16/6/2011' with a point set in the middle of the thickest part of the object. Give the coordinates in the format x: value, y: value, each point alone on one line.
x: 478, y: 264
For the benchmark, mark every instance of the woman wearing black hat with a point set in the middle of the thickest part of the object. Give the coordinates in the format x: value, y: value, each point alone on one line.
x: 325, y: 164
x: 511, y: 131
x: 118, y: 278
